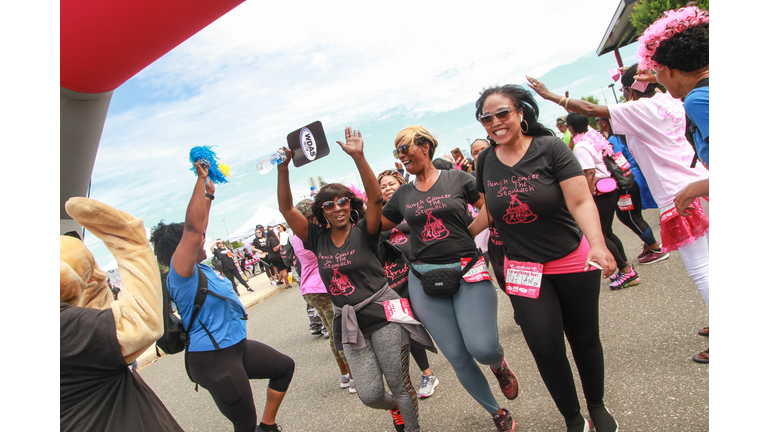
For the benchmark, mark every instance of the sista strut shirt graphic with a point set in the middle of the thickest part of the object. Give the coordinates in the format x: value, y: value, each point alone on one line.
x: 527, y: 203
x: 351, y: 272
x: 438, y: 218
x: 395, y: 268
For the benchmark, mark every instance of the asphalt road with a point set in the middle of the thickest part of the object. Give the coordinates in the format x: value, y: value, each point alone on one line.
x: 649, y: 334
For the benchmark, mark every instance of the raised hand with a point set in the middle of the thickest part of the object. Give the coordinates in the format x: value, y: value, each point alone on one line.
x: 354, y: 142
x: 201, y: 166
x: 288, y: 156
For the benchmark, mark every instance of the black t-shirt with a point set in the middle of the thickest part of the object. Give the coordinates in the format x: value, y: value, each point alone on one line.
x: 273, y: 255
x: 261, y: 244
x: 439, y: 217
x: 226, y: 261
x: 527, y: 203
x: 351, y: 273
x: 97, y: 391
x: 395, y: 268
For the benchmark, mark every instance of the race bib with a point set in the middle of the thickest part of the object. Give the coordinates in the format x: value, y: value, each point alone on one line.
x: 621, y: 161
x: 523, y: 278
x: 625, y: 203
x: 399, y: 311
x: 478, y: 272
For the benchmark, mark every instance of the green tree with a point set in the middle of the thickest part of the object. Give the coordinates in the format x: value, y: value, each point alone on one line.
x: 236, y: 244
x: 648, y: 11
x: 594, y: 100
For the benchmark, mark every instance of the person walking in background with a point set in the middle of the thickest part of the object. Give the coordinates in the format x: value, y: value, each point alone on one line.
x: 464, y: 324
x: 636, y: 199
x: 275, y: 260
x: 537, y: 196
x: 397, y: 269
x: 563, y: 128
x: 219, y: 356
x: 261, y: 247
x: 589, y: 148
x: 229, y: 268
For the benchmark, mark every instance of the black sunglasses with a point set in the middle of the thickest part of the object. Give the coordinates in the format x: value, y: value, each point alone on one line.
x: 343, y: 203
x: 401, y: 149
x: 502, y: 115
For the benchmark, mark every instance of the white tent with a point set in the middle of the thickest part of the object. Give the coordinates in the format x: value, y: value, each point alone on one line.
x: 263, y: 216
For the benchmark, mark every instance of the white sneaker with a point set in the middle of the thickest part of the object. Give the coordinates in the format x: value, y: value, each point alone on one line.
x: 274, y: 283
x: 345, y: 380
x: 428, y: 385
x: 352, y: 388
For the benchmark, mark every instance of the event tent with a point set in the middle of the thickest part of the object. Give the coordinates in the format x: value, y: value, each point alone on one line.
x: 264, y: 216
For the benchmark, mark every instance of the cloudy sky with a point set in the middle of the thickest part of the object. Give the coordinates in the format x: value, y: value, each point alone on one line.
x: 263, y: 70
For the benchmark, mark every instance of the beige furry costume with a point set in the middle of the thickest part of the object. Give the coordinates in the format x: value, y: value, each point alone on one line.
x: 97, y: 390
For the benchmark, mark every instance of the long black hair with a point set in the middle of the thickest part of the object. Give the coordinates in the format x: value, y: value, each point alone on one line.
x: 328, y: 193
x: 523, y: 100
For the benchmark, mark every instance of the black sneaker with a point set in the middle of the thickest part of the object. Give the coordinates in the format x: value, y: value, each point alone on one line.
x: 603, y: 420
x: 268, y: 428
x: 504, y: 422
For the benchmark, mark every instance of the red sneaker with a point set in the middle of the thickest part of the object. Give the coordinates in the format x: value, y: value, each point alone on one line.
x: 507, y: 380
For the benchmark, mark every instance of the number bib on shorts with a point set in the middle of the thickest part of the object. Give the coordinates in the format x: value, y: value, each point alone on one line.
x: 523, y: 278
x: 625, y: 203
x: 478, y: 272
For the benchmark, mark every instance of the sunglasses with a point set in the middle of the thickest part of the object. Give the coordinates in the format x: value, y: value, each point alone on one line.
x: 343, y: 203
x: 404, y: 149
x: 502, y: 115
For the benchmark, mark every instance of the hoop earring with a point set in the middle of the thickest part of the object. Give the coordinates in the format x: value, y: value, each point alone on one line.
x: 326, y: 221
x: 358, y: 215
x: 526, y: 126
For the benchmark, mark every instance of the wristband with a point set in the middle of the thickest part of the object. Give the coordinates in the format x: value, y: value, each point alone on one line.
x: 207, y: 195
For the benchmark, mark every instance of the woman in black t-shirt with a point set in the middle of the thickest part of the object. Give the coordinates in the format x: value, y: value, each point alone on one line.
x: 537, y: 196
x: 346, y: 247
x: 396, y: 268
x: 463, y: 325
x: 275, y: 260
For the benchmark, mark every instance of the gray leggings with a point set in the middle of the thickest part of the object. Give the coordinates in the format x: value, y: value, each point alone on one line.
x: 465, y: 329
x: 386, y: 352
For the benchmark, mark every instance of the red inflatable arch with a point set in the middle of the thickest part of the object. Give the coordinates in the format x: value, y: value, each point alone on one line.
x: 103, y: 44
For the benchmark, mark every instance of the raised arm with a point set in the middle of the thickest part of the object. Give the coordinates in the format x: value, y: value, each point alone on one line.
x: 295, y: 219
x: 138, y: 312
x: 195, y: 223
x: 354, y: 147
x: 575, y: 105
x: 582, y: 206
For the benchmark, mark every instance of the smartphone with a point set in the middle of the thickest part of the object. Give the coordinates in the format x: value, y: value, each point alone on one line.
x: 457, y: 154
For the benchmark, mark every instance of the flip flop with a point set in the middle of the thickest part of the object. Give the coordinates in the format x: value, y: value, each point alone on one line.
x: 700, y: 358
x: 704, y: 331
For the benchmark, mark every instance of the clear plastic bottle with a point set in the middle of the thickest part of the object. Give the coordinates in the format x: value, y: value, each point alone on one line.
x: 272, y: 161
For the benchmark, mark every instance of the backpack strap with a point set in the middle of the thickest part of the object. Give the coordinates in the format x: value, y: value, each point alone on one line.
x: 690, y: 126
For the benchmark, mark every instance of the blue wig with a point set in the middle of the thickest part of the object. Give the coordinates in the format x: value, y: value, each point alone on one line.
x: 217, y: 171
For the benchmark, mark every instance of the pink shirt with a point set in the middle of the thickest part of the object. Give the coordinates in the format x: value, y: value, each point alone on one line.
x: 310, y: 277
x: 655, y: 130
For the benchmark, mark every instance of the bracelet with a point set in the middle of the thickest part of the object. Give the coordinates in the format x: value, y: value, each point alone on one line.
x: 561, y: 101
x: 207, y: 195
x: 566, y: 103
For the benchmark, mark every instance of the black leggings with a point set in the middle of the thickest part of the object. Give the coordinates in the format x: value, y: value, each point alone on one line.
x: 231, y: 274
x: 633, y: 219
x: 606, y: 206
x: 567, y: 303
x: 225, y: 374
x: 420, y: 355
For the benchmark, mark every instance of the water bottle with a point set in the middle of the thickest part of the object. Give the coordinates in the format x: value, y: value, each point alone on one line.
x: 272, y: 161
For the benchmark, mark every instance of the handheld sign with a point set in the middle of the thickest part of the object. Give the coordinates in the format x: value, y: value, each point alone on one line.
x: 308, y: 144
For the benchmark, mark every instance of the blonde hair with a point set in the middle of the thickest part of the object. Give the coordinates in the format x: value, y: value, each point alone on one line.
x: 418, y: 135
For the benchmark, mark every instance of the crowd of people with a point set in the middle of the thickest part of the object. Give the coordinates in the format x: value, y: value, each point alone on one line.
x: 413, y: 264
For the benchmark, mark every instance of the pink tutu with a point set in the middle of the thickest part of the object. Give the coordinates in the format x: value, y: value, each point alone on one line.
x: 678, y: 231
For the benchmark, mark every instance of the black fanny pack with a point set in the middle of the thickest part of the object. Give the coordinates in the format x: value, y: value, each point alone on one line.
x: 443, y: 282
